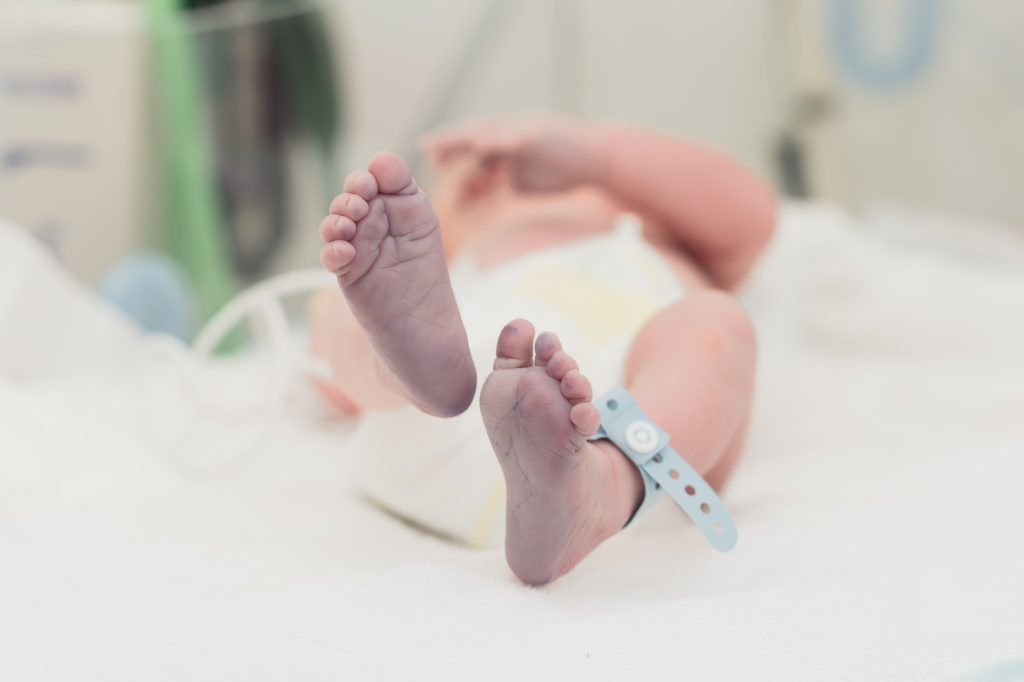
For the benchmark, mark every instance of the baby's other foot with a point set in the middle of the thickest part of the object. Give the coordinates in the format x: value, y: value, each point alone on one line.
x: 565, y: 494
x: 383, y: 243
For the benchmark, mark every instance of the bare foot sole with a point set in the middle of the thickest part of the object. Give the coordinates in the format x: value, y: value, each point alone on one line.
x: 565, y: 494
x: 383, y: 243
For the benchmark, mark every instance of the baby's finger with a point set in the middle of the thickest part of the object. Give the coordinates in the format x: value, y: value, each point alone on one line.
x: 441, y: 151
x: 454, y: 132
x: 442, y: 144
x: 439, y: 154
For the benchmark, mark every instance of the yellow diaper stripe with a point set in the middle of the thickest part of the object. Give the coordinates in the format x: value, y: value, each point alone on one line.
x: 601, y: 309
x: 487, y: 517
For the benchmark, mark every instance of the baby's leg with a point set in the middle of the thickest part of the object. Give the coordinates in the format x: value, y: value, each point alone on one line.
x: 358, y: 379
x: 690, y: 369
x: 400, y: 335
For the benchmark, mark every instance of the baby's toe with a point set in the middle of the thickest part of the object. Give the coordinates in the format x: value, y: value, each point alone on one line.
x: 515, y: 345
x: 352, y: 206
x: 560, y: 363
x: 586, y: 419
x: 576, y: 387
x: 335, y: 227
x: 392, y: 174
x: 361, y: 183
x: 336, y: 255
x: 546, y: 346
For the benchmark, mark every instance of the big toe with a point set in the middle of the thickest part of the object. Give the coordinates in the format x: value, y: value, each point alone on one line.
x: 515, y: 345
x: 392, y: 174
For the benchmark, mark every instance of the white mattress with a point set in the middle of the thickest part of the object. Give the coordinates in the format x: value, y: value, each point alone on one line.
x: 879, y: 509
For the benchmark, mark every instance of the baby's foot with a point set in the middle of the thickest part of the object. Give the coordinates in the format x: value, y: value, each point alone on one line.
x: 565, y: 494
x: 384, y: 245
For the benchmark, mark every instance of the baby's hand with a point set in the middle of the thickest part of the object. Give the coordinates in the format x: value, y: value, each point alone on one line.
x: 541, y: 154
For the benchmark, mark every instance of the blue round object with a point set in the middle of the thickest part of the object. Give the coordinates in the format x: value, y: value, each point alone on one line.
x: 152, y: 290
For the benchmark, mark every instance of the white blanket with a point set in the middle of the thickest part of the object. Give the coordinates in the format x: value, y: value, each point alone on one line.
x: 879, y: 509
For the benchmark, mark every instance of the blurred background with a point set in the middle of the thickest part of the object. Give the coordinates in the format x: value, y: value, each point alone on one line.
x: 184, y: 148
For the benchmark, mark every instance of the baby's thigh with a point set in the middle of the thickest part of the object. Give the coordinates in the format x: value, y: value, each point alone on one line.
x: 708, y: 328
x: 691, y: 367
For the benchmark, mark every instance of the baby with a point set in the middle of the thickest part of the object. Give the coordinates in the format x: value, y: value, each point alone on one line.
x: 510, y: 189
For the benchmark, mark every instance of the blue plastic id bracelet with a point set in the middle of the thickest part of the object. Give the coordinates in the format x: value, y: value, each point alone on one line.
x: 663, y: 470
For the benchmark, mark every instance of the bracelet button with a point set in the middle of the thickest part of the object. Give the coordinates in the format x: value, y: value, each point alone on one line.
x: 641, y: 437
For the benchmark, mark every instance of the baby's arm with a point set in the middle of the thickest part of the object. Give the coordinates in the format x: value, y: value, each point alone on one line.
x: 716, y: 209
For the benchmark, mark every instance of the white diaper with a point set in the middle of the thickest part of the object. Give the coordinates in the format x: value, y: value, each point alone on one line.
x: 595, y: 294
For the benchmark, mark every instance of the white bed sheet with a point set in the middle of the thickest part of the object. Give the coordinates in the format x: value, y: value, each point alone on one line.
x: 879, y: 509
